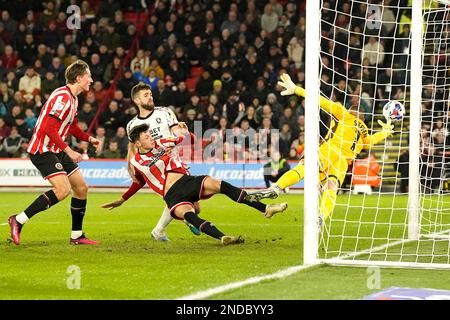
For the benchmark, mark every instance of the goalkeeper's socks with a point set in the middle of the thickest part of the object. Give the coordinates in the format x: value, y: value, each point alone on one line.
x: 291, y: 177
x: 43, y: 202
x: 203, y: 225
x: 327, y: 203
x: 77, y: 209
x: 238, y: 195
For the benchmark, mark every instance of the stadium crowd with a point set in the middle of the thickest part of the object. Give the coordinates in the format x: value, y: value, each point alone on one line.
x: 215, y: 62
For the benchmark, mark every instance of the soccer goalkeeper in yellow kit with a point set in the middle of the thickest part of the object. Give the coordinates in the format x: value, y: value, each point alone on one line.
x: 344, y: 141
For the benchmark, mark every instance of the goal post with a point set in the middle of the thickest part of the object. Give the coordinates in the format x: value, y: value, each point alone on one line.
x: 393, y: 207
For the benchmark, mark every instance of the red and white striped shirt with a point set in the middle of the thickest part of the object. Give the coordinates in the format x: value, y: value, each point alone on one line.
x: 62, y: 105
x: 155, y: 165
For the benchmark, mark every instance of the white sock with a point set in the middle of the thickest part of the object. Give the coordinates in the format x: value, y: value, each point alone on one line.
x: 76, y: 234
x: 22, y: 218
x: 164, y: 221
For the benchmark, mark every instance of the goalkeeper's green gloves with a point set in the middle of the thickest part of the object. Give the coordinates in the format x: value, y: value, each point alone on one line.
x: 387, y: 128
x: 289, y: 86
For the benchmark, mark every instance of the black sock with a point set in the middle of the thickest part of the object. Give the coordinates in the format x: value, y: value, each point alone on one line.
x: 77, y: 208
x: 238, y: 195
x: 43, y: 202
x: 203, y: 225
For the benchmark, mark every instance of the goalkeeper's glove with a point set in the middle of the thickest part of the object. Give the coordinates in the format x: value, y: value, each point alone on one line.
x: 289, y: 86
x: 386, y: 128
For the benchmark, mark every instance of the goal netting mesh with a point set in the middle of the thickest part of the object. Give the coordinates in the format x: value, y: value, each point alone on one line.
x: 366, y: 60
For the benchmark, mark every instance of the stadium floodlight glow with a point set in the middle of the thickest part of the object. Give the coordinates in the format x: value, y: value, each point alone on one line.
x: 406, y: 220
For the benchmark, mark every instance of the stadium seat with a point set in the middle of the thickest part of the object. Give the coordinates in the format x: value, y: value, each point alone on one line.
x: 131, y: 17
x: 191, y: 83
x: 196, y: 72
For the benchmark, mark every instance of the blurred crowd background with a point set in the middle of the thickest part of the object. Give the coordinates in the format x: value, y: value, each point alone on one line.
x: 215, y: 63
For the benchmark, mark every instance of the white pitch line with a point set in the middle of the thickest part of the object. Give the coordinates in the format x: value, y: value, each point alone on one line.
x: 234, y: 285
x: 3, y: 224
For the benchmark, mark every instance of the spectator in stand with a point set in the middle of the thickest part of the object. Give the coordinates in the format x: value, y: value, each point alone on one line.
x: 22, y: 152
x: 219, y: 92
x: 151, y: 39
x: 269, y: 20
x: 52, y: 37
x: 9, y: 58
x: 181, y: 97
x: 112, y: 118
x: 111, y: 39
x: 58, y: 69
x: 30, y: 84
x: 191, y: 115
x: 86, y: 114
x: 27, y: 50
x: 30, y: 118
x: 275, y: 168
x: 211, y: 119
x: 232, y: 24
x: 112, y: 152
x: 142, y: 59
x: 403, y: 168
x: 250, y: 116
x: 285, y: 140
x: 99, y: 92
x: 119, y: 98
x: 162, y: 96
x: 154, y: 65
x: 90, y: 98
x: 195, y: 105
x: 97, y: 68
x: 126, y: 82
x: 374, y: 51
x: 287, y: 117
x: 111, y: 70
x: 293, y: 155
x: 122, y: 141
x: 5, y: 130
x: 197, y: 52
x: 100, y: 134
x: 24, y: 130
x: 295, y: 52
x: 12, y: 143
x: 175, y: 72
x: 152, y: 80
x: 11, y: 82
x: 260, y: 91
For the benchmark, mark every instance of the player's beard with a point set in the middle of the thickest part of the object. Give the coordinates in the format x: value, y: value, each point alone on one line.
x: 148, y: 106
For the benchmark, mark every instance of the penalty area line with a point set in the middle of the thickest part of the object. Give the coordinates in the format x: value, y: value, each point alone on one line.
x: 239, y: 284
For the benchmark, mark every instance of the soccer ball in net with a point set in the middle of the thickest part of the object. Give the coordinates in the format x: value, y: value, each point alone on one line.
x: 394, y: 111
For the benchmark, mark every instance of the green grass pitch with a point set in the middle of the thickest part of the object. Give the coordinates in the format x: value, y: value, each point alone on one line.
x: 130, y: 265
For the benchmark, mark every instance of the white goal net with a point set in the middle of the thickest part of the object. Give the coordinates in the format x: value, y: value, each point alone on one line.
x: 387, y: 212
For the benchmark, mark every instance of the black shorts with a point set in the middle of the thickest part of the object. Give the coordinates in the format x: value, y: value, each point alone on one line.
x: 187, y: 190
x: 51, y: 164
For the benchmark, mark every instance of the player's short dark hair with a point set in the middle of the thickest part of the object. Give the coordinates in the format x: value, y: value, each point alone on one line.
x: 136, y: 132
x: 78, y: 68
x: 139, y: 87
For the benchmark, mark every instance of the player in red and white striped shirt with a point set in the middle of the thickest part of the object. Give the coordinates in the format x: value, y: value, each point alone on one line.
x: 56, y: 161
x: 166, y: 174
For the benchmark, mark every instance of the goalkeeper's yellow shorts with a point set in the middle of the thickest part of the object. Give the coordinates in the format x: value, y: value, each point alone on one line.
x: 331, y: 165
